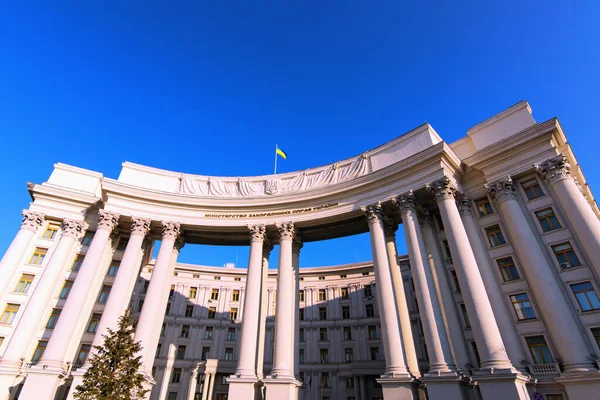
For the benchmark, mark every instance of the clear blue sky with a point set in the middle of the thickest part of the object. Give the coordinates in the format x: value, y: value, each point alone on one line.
x: 210, y: 87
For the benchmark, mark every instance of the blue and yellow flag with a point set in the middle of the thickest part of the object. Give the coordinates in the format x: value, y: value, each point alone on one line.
x: 281, y: 152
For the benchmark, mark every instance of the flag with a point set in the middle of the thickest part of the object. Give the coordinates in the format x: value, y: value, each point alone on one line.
x: 281, y: 152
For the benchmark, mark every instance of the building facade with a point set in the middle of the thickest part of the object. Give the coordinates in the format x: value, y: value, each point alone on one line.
x: 497, y: 297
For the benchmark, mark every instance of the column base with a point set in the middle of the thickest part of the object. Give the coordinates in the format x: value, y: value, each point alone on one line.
x: 399, y: 387
x: 281, y: 388
x: 448, y: 386
x: 244, y: 388
x: 582, y: 385
x: 42, y: 381
x: 502, y: 384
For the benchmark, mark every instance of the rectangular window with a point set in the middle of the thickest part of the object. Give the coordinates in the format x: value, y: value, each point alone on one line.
x: 163, y: 328
x: 185, y: 331
x: 349, y: 382
x: 172, y: 292
x: 495, y: 236
x: 595, y: 332
x: 301, y: 295
x: 346, y: 312
x: 66, y: 289
x: 77, y: 262
x: 455, y: 280
x: 324, y: 379
x: 104, y: 294
x: 322, y: 313
x: 322, y: 295
x: 539, y: 350
x: 321, y: 278
x: 348, y: 355
x: 508, y: 269
x: 374, y: 353
x: 212, y: 313
x: 365, y: 274
x: 301, y: 314
x: 38, y: 256
x: 176, y: 377
x: 122, y: 244
x: 180, y: 354
x: 324, y: 355
x: 301, y: 335
x: 217, y: 278
x: 50, y: 232
x: 586, y: 296
x: 367, y: 291
x: 484, y: 207
x: 532, y: 189
x: 214, y: 295
x: 208, y: 332
x: 228, y: 353
x: 347, y: 333
x: 53, y: 318
x: 10, y: 311
x: 205, y: 353
x: 193, y: 293
x: 547, y: 219
x: 372, y: 332
x: 93, y: 325
x: 189, y: 311
x: 39, y: 351
x: 82, y: 356
x: 344, y: 293
x: 301, y: 355
x: 87, y: 238
x: 24, y: 283
x: 140, y: 305
x: 233, y: 313
x: 230, y: 334
x: 113, y: 268
x: 466, y: 320
x: 370, y: 310
x: 565, y: 255
x: 145, y: 287
x: 172, y: 396
x: 237, y: 279
x: 157, y: 353
x: 323, y: 334
x: 522, y: 306
x: 343, y: 276
x: 168, y: 309
x: 447, y: 251
x: 235, y: 295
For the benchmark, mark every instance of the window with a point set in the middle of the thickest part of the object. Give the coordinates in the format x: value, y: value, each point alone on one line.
x: 447, y: 252
x: 122, y: 244
x: 495, y: 236
x: 172, y: 292
x: 214, y: 295
x: 9, y: 313
x: 322, y: 313
x: 237, y: 279
x: 168, y: 309
x: 163, y: 328
x: 370, y: 310
x: 77, y: 263
x: 554, y: 397
x: 185, y: 331
x: 157, y: 353
x: 565, y: 255
x: 86, y: 240
x: 347, y: 333
x: 189, y: 310
x: 172, y: 396
x: 586, y: 296
x: 301, y: 295
x: 180, y: 354
x: 547, y: 219
x: 233, y: 313
x: 484, y: 207
x: 349, y: 382
x: 539, y: 350
x: 522, y: 306
x: 595, y: 332
x: 221, y: 396
x: 230, y: 334
x: 140, y: 305
x: 507, y: 269
x: 372, y: 332
x: 205, y: 353
x: 217, y: 278
x: 374, y: 353
x: 322, y: 295
x: 367, y: 291
x: 193, y: 292
x: 50, y: 232
x: 145, y: 287
x: 348, y: 355
x: 365, y: 274
x: 53, y: 318
x: 532, y: 189
x: 176, y: 377
x: 38, y: 256
x: 208, y: 332
x: 476, y: 353
x: 344, y: 293
x: 323, y: 334
x: 82, y: 356
x: 66, y: 289
x: 324, y: 379
x: 301, y: 335
x: 39, y: 351
x: 324, y: 355
x: 212, y: 313
x: 104, y: 294
x: 321, y: 278
x: 301, y: 314
x: 455, y: 280
x: 24, y: 283
x: 113, y: 268
x: 463, y: 308
x: 229, y: 353
x: 346, y: 312
x: 235, y: 295
x: 301, y: 355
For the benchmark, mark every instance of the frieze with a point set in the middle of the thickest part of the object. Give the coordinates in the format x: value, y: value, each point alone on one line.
x: 270, y: 214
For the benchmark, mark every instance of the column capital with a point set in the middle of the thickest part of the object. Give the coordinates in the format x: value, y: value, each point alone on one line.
x: 107, y: 220
x: 170, y: 230
x: 373, y: 213
x: 406, y: 202
x: 179, y: 243
x: 258, y: 233
x: 389, y: 227
x: 72, y: 228
x: 286, y: 230
x: 31, y: 220
x: 502, y: 190
x: 267, y: 247
x: 554, y: 169
x: 464, y: 205
x: 140, y: 226
x: 297, y: 244
x: 443, y: 188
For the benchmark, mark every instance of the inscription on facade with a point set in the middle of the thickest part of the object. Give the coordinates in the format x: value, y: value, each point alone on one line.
x: 270, y: 214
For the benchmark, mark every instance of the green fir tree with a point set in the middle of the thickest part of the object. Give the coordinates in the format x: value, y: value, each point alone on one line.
x: 114, y: 371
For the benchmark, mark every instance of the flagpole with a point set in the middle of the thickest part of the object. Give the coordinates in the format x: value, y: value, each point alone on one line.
x: 275, y: 171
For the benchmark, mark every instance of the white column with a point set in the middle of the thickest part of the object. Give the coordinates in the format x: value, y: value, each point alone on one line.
x: 192, y: 383
x: 438, y: 348
x: 13, y: 256
x: 448, y: 307
x: 157, y: 296
x: 206, y: 384
x: 402, y: 307
x: 296, y: 246
x: 506, y: 324
x: 554, y: 306
x: 583, y: 220
x: 264, y: 307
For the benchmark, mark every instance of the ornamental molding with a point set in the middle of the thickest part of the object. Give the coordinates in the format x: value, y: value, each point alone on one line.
x: 286, y: 230
x: 170, y: 230
x: 390, y: 227
x: 406, y: 203
x: 554, y: 169
x: 442, y: 189
x: 179, y: 243
x: 71, y: 228
x: 31, y: 220
x: 464, y: 205
x: 107, y: 220
x: 258, y: 233
x: 267, y: 248
x: 373, y: 213
x: 140, y: 226
x: 502, y: 190
x: 297, y: 244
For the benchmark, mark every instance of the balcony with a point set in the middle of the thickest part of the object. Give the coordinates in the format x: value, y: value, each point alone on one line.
x: 544, y: 369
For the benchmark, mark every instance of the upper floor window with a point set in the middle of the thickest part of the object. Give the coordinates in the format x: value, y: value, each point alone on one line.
x: 145, y: 287
x: 217, y: 278
x: 596, y: 333
x: 208, y: 332
x: 230, y: 334
x: 77, y: 262
x: 539, y: 350
x: 301, y: 314
x: 38, y: 256
x: 374, y: 353
x: 565, y: 255
x: 93, y: 325
x: 189, y: 310
x: 495, y: 236
x: 344, y: 293
x: 122, y: 244
x: 347, y: 333
x: 301, y: 295
x: 24, y: 283
x: 301, y: 335
x: 322, y: 294
x: 51, y: 231
x: 586, y: 296
x: 484, y: 207
x: 193, y: 292
x: 66, y: 289
x: 163, y: 328
x: 321, y: 278
x: 324, y: 355
x: 53, y: 318
x: 82, y: 356
x: 372, y: 331
x: 522, y: 306
x: 547, y: 219
x: 345, y: 312
x: 348, y: 354
x: 237, y: 279
x: 447, y: 252
x: 323, y: 334
x: 228, y: 353
x: 455, y: 279
x: 87, y: 238
x: 39, y: 351
x: 370, y: 310
x: 185, y: 331
x: 532, y: 189
x: 301, y: 355
x: 176, y: 377
x: 324, y: 379
x: 113, y: 268
x: 214, y: 294
x: 322, y: 313
x: 508, y: 269
x: 180, y: 354
x: 365, y: 274
x: 233, y: 314
x: 104, y: 294
x: 463, y: 309
x: 205, y: 353
x: 367, y: 291
x: 235, y: 295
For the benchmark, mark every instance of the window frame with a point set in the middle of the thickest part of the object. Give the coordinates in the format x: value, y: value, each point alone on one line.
x: 477, y: 202
x: 513, y: 303
x: 11, y: 310
x: 495, y: 234
x: 501, y: 268
x: 38, y: 256
x: 531, y: 353
x: 522, y: 183
x: 593, y: 290
x: 548, y: 219
x: 27, y: 280
x: 564, y: 253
